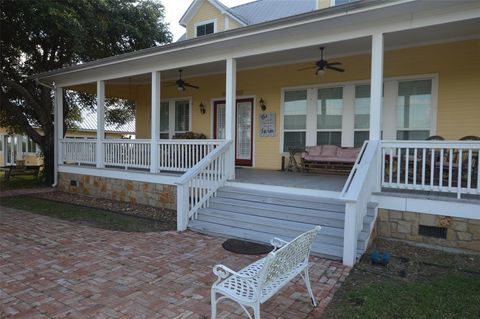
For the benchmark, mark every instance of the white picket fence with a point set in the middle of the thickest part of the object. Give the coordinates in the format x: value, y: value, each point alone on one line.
x: 78, y: 151
x: 435, y: 166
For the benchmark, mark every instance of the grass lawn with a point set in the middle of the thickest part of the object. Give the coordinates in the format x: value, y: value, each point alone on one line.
x: 420, y: 284
x: 16, y: 182
x: 83, y: 215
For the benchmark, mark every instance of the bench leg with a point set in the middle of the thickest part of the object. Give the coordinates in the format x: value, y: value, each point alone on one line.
x: 214, y: 304
x: 256, y: 311
x: 306, y: 278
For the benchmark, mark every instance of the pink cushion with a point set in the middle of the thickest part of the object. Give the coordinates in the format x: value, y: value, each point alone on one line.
x: 314, y: 150
x: 329, y: 150
x: 334, y: 159
x: 347, y: 153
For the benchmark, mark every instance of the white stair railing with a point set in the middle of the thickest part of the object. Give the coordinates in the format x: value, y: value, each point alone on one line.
x: 364, y: 179
x: 78, y: 151
x: 448, y: 167
x: 200, y: 183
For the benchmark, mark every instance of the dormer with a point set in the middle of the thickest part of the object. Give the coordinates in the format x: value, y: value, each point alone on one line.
x: 322, y: 4
x: 205, y: 17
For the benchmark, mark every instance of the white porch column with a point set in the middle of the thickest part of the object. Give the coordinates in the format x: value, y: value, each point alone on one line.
x: 58, y: 122
x: 155, y: 122
x: 376, y: 86
x: 230, y: 108
x: 100, y: 122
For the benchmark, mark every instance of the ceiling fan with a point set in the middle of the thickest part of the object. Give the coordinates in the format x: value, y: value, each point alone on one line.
x: 322, y: 65
x: 181, y: 84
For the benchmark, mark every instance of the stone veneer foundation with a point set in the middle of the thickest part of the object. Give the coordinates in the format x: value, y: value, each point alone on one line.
x: 462, y: 233
x: 157, y: 195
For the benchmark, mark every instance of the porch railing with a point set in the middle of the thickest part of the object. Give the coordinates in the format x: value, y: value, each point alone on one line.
x: 78, y: 151
x: 172, y: 156
x: 200, y: 183
x: 126, y: 153
x: 181, y: 155
x: 434, y: 166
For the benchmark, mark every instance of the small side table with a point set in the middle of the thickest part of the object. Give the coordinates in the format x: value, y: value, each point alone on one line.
x: 292, y: 161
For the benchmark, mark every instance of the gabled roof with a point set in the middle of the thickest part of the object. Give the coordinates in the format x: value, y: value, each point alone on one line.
x: 267, y: 10
x: 195, y: 6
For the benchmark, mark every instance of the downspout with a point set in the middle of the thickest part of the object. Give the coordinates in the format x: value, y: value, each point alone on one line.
x: 55, y: 128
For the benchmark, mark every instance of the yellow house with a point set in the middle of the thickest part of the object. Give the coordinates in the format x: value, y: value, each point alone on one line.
x: 267, y: 80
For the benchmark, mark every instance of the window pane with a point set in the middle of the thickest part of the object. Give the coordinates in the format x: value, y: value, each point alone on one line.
x: 182, y: 116
x: 414, y: 104
x: 413, y: 135
x: 164, y: 115
x: 331, y: 138
x: 295, y: 112
x: 200, y: 30
x: 209, y: 28
x: 24, y: 144
x: 362, y: 106
x: 164, y: 136
x: 293, y: 140
x: 329, y: 108
x: 360, y: 137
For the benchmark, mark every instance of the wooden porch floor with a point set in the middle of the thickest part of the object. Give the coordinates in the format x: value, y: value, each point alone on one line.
x: 325, y: 182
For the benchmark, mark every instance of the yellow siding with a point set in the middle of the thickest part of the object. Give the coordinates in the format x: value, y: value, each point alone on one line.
x: 206, y: 12
x: 322, y: 4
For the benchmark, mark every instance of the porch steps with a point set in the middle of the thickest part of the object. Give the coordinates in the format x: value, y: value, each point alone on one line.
x: 260, y: 215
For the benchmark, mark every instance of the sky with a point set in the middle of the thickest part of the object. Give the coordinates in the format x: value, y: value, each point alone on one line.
x: 174, y: 10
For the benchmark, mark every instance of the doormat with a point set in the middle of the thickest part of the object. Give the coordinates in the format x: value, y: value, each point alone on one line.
x: 246, y: 248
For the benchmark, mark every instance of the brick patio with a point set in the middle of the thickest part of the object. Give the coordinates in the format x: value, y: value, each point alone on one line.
x: 55, y: 269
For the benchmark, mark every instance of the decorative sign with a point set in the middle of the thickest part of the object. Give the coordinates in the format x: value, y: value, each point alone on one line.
x: 267, y: 124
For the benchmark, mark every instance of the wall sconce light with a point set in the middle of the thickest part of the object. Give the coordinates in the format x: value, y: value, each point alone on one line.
x: 202, y: 108
x: 262, y: 104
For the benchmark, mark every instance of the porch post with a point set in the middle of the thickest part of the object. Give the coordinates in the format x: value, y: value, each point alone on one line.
x: 230, y: 107
x: 376, y: 87
x: 155, y: 121
x: 58, y: 121
x: 100, y: 122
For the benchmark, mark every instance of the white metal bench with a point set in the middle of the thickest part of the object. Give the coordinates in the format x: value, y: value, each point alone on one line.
x: 256, y: 283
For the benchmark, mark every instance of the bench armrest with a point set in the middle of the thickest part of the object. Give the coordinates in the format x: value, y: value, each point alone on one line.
x: 278, y: 243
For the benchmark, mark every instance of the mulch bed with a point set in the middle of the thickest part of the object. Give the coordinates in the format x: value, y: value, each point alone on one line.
x: 246, y: 247
x: 143, y: 211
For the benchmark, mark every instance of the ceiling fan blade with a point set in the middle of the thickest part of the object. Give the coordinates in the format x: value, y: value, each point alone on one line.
x: 307, y: 68
x: 334, y: 68
x: 191, y: 85
x: 335, y: 63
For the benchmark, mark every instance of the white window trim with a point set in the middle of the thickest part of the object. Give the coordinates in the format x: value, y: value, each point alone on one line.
x: 214, y: 21
x: 389, y: 110
x: 171, y: 115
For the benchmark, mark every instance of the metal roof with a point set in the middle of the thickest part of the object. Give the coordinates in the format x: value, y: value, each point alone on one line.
x: 267, y: 10
x: 89, y: 123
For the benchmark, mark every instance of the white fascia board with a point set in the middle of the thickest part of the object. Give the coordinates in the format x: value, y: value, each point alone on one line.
x: 246, y: 44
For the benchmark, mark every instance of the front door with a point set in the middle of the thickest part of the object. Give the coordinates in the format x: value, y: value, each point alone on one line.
x: 243, y: 126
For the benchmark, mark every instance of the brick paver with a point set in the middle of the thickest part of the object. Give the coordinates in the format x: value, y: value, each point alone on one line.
x: 56, y: 269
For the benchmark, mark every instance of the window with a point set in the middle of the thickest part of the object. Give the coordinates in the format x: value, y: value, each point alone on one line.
x: 362, y: 115
x: 174, y: 118
x: 204, y: 29
x: 414, y: 105
x: 329, y: 116
x: 339, y: 2
x: 28, y: 146
x: 295, y: 119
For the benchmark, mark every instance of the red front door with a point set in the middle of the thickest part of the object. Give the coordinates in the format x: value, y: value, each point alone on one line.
x: 243, y: 129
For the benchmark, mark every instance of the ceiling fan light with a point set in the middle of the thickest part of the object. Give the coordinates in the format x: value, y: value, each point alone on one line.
x: 180, y: 88
x: 320, y: 72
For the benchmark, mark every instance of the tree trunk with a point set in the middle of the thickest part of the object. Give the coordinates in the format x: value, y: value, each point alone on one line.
x: 49, y: 160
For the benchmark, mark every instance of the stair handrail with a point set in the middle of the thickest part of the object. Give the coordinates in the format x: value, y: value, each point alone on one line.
x: 364, y: 179
x: 198, y: 184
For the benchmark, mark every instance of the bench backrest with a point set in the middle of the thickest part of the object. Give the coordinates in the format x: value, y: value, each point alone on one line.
x: 291, y: 256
